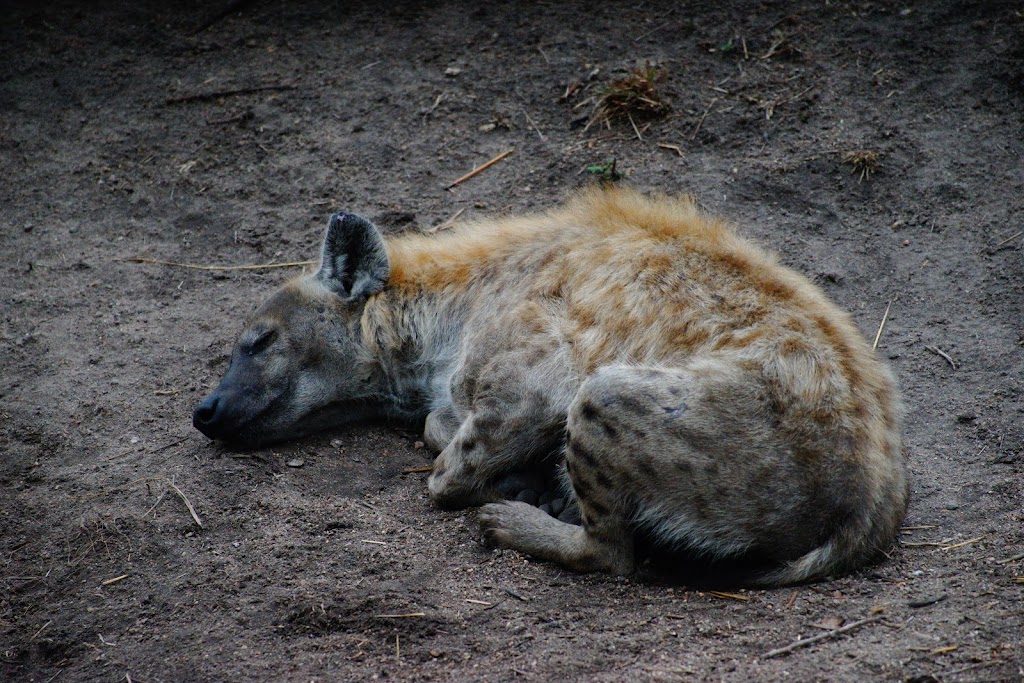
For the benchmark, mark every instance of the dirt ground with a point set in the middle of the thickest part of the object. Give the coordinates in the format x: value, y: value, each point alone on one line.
x: 177, y: 132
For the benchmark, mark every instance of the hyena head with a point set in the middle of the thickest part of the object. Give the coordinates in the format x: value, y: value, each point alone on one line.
x: 300, y: 364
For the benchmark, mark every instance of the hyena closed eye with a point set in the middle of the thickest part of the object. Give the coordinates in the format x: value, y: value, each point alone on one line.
x: 690, y: 389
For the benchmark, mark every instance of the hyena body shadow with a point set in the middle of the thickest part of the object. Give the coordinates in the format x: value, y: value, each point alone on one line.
x: 697, y: 392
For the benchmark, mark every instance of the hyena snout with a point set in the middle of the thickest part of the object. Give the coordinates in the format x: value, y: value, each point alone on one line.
x: 210, y: 416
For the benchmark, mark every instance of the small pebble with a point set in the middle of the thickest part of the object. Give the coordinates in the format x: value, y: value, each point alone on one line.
x: 296, y: 462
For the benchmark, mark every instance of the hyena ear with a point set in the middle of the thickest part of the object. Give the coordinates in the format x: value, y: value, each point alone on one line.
x: 354, y: 263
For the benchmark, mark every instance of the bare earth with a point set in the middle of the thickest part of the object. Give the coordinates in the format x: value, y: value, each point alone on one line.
x: 126, y: 132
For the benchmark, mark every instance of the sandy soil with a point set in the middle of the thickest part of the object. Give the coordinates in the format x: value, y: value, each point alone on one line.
x: 128, y: 131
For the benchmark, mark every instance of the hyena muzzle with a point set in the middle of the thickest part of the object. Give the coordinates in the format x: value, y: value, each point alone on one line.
x: 686, y: 387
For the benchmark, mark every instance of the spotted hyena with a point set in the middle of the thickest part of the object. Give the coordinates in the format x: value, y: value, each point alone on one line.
x: 690, y: 390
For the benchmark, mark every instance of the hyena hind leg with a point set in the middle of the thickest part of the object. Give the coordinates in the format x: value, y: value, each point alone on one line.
x: 687, y: 454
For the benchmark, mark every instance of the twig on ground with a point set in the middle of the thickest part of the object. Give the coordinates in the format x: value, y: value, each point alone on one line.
x: 1012, y: 558
x: 881, y: 326
x: 114, y: 580
x: 195, y: 266
x: 635, y: 129
x: 188, y: 504
x: 479, y: 169
x: 927, y: 602
x: 230, y: 92
x: 533, y: 125
x: 703, y: 116
x: 804, y: 642
x: 415, y: 470
x: 401, y: 616
x: 1011, y: 237
x: 962, y: 543
x: 731, y: 596
x: 939, y: 352
x: 674, y: 148
x: 515, y: 595
x: 447, y: 224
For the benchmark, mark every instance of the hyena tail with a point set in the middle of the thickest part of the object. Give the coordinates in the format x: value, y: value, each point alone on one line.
x: 854, y: 545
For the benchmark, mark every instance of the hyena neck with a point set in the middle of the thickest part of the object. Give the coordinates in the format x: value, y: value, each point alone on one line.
x: 414, y: 342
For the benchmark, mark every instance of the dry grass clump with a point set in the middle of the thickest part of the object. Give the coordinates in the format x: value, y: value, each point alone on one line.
x: 863, y: 161
x: 636, y: 96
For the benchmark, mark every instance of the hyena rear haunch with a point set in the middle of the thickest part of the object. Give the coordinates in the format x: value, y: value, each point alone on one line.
x: 692, y: 390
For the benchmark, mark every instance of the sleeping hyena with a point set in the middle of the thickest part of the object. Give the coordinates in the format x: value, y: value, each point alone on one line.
x: 693, y: 391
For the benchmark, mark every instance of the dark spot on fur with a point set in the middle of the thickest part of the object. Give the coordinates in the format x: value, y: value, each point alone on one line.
x: 603, y: 480
x: 684, y: 467
x: 647, y: 469
x: 577, y: 451
x: 439, y: 471
x: 632, y: 405
x: 596, y: 508
x: 609, y: 431
x: 588, y: 411
x: 468, y: 444
x: 581, y: 486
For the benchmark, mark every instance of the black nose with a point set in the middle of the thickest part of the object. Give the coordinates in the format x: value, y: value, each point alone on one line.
x: 207, y: 417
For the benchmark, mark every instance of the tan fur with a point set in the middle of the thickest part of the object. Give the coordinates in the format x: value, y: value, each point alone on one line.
x: 696, y: 389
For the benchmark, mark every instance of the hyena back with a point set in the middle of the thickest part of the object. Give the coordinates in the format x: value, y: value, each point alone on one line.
x: 697, y: 391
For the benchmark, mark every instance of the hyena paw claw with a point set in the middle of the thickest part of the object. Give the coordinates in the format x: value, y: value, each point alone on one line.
x: 508, y: 522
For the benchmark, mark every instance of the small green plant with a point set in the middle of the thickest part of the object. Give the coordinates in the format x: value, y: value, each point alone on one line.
x: 605, y: 172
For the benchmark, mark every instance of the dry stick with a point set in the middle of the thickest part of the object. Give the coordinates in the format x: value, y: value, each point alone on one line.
x: 480, y: 169
x: 1010, y: 238
x: 704, y: 116
x: 401, y: 616
x: 822, y: 636
x: 188, y: 504
x: 881, y: 326
x: 114, y: 580
x: 939, y: 352
x: 216, y: 94
x: 635, y: 129
x: 414, y: 470
x: 1014, y: 558
x: 534, y: 125
x: 674, y: 148
x: 194, y: 266
x: 447, y: 223
x: 962, y: 543
x: 731, y: 596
